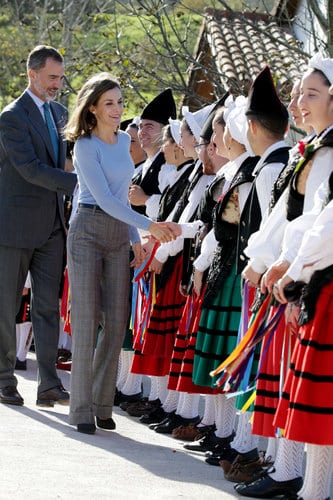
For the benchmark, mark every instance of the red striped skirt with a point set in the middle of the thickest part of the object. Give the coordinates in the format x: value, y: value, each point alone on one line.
x: 272, y: 365
x: 181, y: 368
x: 159, y: 338
x: 305, y: 410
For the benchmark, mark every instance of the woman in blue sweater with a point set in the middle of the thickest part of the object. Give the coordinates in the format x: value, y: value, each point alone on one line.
x: 98, y: 247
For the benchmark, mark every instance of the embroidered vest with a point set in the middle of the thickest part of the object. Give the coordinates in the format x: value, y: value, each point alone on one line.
x: 226, y: 233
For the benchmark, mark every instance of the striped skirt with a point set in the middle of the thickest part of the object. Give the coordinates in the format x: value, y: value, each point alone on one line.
x: 305, y: 410
x: 273, y: 366
x: 218, y: 330
x: 181, y: 368
x: 159, y: 338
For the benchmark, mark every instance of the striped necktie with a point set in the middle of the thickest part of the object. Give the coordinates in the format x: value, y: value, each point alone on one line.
x: 52, y: 131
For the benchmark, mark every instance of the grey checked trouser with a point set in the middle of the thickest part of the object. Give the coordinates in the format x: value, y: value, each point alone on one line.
x: 98, y: 268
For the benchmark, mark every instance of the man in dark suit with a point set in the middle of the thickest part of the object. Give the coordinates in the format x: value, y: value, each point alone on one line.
x: 32, y: 227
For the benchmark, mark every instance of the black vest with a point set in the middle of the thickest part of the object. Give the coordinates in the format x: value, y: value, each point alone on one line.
x: 226, y: 234
x: 149, y: 183
x: 187, y: 191
x: 204, y: 213
x: 173, y: 193
x: 169, y: 264
x: 295, y: 200
x: 251, y: 214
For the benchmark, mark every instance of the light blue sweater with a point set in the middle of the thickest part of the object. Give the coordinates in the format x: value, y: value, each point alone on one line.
x: 104, y: 175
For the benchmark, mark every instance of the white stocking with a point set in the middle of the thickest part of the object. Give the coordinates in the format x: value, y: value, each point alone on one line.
x: 65, y: 340
x: 225, y: 415
x: 133, y: 384
x: 209, y: 412
x: 288, y: 462
x: 124, y: 366
x: 272, y: 448
x: 318, y: 472
x: 158, y: 388
x: 171, y: 401
x: 23, y: 340
x: 188, y: 405
x: 244, y: 440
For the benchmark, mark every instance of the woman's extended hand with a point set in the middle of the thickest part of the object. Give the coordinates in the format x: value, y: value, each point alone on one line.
x: 164, y: 231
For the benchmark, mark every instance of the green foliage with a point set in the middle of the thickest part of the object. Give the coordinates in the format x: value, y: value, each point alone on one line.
x: 147, y: 44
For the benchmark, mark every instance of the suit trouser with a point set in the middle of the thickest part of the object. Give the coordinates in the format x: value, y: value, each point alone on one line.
x: 98, y: 269
x: 46, y: 267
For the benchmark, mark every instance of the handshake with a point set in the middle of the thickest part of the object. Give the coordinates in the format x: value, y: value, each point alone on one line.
x: 165, y: 231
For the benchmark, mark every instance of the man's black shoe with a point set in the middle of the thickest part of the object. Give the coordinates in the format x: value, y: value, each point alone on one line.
x: 10, y: 396
x: 51, y: 396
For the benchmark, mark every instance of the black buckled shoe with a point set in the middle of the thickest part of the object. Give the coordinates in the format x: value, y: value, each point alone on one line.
x: 267, y: 487
x: 155, y: 417
x: 127, y: 398
x: 210, y: 443
x: 142, y: 407
x: 173, y: 422
x: 163, y: 421
x: 225, y: 454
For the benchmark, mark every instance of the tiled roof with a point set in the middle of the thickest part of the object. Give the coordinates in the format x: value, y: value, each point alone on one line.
x: 242, y: 43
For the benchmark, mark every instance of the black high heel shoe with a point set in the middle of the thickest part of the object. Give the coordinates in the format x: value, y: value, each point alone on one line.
x: 86, y: 428
x: 106, y: 423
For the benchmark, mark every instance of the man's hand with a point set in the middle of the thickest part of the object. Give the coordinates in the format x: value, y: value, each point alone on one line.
x: 137, y: 196
x: 156, y: 266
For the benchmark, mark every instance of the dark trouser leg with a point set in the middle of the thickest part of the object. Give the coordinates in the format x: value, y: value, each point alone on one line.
x: 14, y: 264
x: 46, y: 268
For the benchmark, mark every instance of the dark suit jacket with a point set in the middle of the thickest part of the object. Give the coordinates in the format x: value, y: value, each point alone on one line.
x: 31, y: 185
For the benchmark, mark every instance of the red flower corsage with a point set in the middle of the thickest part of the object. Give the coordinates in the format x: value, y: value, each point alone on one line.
x: 301, y: 147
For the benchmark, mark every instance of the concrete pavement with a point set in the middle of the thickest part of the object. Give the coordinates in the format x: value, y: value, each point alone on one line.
x: 43, y: 458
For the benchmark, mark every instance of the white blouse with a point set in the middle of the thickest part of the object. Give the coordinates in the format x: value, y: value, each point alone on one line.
x: 264, y: 246
x: 316, y: 250
x: 204, y: 260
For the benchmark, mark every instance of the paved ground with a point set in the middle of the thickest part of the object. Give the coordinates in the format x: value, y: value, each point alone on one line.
x: 43, y: 458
